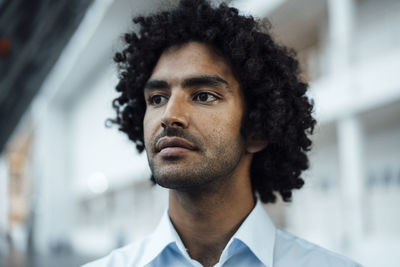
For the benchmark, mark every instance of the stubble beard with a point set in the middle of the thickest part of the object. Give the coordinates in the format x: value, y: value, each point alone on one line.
x: 202, y: 171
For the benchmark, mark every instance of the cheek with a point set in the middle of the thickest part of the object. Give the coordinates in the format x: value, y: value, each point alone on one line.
x: 147, y: 127
x: 233, y: 116
x: 224, y: 127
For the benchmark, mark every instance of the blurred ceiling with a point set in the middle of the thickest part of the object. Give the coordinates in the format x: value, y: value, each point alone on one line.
x: 32, y: 37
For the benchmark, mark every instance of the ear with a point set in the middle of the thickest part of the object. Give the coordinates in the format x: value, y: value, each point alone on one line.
x: 254, y: 145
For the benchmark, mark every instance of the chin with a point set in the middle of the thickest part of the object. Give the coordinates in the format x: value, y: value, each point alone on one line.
x: 179, y: 180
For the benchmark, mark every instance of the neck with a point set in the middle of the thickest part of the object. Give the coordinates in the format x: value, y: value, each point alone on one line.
x: 206, y: 219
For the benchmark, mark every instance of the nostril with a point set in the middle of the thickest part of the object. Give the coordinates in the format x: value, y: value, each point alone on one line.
x: 166, y: 124
x: 177, y: 123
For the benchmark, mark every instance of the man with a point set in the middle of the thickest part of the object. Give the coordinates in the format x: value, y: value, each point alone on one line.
x: 224, y: 119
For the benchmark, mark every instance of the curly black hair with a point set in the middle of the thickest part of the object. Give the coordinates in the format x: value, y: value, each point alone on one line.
x: 277, y: 108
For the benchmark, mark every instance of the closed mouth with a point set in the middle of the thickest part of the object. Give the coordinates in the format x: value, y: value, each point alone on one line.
x: 174, y: 142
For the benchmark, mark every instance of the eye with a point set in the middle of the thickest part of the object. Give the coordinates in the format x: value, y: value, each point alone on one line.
x: 205, y: 97
x: 157, y: 100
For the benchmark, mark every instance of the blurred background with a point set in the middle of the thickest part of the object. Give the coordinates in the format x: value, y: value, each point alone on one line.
x: 71, y: 190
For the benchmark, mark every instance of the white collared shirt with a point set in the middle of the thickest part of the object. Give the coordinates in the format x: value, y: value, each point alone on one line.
x: 256, y: 243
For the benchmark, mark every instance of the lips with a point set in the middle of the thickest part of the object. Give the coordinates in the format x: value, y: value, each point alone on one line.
x: 172, y: 142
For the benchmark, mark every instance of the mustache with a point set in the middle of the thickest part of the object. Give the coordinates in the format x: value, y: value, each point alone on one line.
x: 175, y: 132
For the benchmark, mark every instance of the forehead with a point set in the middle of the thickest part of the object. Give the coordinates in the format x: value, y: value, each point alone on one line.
x: 191, y: 59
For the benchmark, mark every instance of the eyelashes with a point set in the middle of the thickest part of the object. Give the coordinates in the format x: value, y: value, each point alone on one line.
x: 156, y: 100
x: 205, y: 97
x: 201, y: 97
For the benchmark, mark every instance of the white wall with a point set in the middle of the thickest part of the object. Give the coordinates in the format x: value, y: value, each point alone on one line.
x: 377, y: 29
x: 95, y: 148
x: 53, y: 184
x: 317, y: 206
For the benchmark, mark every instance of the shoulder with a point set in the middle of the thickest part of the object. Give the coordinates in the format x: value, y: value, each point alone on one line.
x: 294, y: 251
x: 128, y: 255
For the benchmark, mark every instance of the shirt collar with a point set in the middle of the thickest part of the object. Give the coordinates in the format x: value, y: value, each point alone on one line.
x: 257, y: 232
x: 159, y: 240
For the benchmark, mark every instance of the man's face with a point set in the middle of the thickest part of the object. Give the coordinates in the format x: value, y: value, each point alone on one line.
x: 193, y: 118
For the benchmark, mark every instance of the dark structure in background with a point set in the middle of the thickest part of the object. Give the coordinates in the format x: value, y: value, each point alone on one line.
x: 32, y: 37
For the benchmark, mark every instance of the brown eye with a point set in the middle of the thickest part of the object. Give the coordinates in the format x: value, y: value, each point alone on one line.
x: 204, y: 97
x: 157, y: 100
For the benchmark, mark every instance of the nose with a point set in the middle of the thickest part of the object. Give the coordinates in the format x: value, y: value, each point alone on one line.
x: 176, y: 113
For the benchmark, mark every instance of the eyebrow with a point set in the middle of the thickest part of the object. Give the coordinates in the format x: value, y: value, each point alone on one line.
x: 202, y: 80
x: 208, y: 80
x: 156, y: 84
